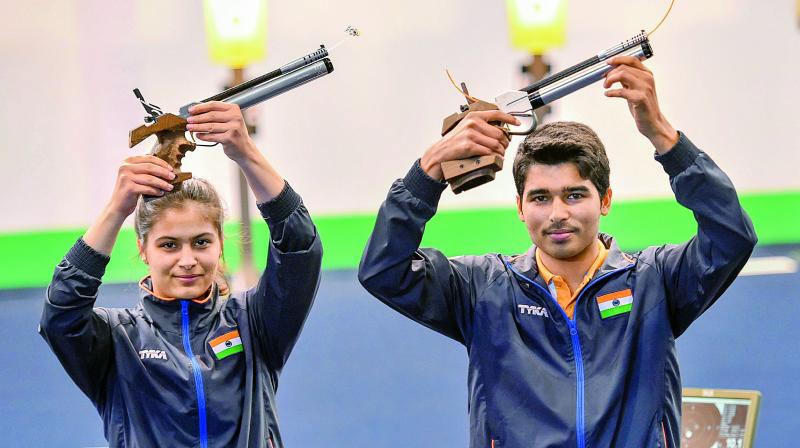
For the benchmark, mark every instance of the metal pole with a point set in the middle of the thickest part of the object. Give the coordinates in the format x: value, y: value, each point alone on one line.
x: 247, y: 272
x: 538, y: 70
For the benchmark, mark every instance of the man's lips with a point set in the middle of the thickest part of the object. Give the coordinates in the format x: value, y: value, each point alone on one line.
x: 560, y: 234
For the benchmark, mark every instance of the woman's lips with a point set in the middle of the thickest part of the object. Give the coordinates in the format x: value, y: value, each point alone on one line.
x: 187, y: 279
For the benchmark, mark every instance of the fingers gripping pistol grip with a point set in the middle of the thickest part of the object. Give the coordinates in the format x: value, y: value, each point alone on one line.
x: 465, y: 174
x: 172, y: 144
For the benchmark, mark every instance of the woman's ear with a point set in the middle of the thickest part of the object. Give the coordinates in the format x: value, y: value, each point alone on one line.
x: 140, y: 245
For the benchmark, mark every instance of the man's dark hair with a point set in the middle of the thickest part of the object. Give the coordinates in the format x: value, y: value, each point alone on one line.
x: 564, y: 142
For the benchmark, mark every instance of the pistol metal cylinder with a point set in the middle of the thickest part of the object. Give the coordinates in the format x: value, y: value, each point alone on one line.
x: 272, y: 87
x: 588, y: 76
x: 275, y: 87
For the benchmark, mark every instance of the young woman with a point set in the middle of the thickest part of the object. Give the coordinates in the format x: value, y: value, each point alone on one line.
x: 191, y: 364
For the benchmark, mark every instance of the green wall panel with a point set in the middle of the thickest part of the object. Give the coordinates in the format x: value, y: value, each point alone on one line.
x: 29, y: 257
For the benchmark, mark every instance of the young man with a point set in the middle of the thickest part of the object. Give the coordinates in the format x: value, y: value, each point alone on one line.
x: 573, y: 342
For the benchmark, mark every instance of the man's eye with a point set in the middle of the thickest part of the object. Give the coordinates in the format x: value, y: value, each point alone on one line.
x: 575, y: 196
x: 540, y: 198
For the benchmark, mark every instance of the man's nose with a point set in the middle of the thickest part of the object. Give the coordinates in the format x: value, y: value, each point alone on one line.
x: 559, y: 211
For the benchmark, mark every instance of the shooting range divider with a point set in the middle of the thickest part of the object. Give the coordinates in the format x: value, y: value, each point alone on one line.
x: 28, y: 258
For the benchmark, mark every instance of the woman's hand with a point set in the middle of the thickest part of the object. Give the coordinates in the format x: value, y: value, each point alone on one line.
x: 221, y: 122
x: 139, y: 175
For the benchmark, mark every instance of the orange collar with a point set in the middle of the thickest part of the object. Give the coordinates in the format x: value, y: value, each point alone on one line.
x: 201, y: 299
x: 598, y: 261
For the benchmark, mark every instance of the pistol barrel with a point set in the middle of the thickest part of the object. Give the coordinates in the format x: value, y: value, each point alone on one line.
x: 283, y: 79
x: 281, y: 84
x: 584, y: 73
x: 585, y: 77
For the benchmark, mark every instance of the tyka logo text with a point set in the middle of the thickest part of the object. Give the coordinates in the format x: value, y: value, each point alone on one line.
x: 533, y: 310
x: 152, y: 354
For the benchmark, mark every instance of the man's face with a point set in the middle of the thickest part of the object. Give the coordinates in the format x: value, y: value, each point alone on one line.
x: 561, y: 210
x: 182, y: 251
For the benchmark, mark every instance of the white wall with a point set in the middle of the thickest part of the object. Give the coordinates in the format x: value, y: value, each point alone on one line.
x: 726, y: 73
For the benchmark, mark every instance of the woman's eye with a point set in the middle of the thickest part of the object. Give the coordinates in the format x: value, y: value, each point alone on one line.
x: 202, y: 243
x: 168, y: 245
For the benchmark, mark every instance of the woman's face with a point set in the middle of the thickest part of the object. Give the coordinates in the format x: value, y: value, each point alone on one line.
x: 183, y: 250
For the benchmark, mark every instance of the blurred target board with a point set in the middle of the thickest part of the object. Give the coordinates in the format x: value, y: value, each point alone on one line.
x: 719, y: 418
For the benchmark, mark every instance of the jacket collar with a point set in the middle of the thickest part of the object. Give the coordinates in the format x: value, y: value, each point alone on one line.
x: 525, y: 263
x: 167, y: 315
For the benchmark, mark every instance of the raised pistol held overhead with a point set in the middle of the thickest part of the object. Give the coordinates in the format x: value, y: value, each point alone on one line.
x: 465, y: 174
x: 170, y: 129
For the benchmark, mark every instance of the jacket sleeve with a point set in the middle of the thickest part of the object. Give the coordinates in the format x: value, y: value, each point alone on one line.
x: 79, y: 335
x: 697, y: 272
x: 279, y: 304
x: 422, y: 284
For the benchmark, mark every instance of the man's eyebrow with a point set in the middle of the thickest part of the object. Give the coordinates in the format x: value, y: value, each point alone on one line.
x: 537, y: 192
x: 568, y: 189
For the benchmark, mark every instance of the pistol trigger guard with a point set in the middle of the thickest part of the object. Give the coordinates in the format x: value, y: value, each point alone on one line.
x: 534, y: 123
x: 516, y: 103
x: 191, y: 134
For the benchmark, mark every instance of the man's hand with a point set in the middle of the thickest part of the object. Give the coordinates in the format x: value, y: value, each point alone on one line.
x: 639, y: 89
x: 221, y: 122
x: 472, y: 137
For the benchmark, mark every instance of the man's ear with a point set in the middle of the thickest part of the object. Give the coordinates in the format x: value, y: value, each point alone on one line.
x: 519, y: 209
x: 605, y: 203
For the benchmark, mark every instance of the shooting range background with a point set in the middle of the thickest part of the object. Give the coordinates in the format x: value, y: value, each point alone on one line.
x: 726, y: 75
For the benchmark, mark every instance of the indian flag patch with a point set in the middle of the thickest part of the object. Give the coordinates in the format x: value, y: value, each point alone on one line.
x: 615, y: 303
x: 227, y: 344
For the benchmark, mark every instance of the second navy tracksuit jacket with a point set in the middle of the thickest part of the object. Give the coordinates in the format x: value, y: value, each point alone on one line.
x: 537, y: 378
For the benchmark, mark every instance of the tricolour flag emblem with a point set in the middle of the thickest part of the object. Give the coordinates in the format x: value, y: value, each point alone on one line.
x: 226, y: 345
x: 615, y: 303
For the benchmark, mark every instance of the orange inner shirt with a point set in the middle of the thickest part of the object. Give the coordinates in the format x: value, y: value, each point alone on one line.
x: 559, y: 287
x: 202, y: 299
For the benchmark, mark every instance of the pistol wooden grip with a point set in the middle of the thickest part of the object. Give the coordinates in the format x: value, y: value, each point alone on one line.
x: 452, y: 121
x: 171, y: 147
x: 172, y: 144
x: 465, y: 174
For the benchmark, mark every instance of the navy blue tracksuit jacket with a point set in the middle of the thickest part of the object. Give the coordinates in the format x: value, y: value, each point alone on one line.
x: 151, y: 370
x: 537, y: 378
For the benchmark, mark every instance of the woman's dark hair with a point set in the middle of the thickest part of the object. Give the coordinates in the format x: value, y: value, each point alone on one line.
x: 564, y: 142
x: 199, y: 191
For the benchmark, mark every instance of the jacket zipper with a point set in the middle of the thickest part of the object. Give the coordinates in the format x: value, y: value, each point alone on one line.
x: 198, y: 378
x: 576, y: 346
